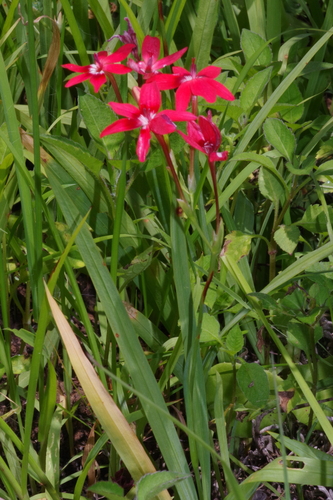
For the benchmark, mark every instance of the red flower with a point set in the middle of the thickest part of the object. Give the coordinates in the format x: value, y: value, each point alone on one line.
x: 192, y: 83
x: 150, y: 52
x: 146, y: 117
x: 103, y: 65
x: 205, y: 137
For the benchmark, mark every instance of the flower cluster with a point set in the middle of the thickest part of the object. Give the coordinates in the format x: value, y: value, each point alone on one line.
x: 202, y: 133
x: 147, y: 116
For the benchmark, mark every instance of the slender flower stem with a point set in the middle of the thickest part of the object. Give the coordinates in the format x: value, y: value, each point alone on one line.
x: 191, y: 165
x: 115, y: 86
x: 170, y: 166
x: 213, y: 174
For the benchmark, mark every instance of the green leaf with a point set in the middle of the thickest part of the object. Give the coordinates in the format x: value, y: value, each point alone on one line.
x: 253, y: 382
x: 152, y: 484
x: 270, y: 187
x: 294, y: 98
x: 202, y: 37
x: 312, y: 471
x: 97, y: 116
x: 75, y: 149
x: 173, y: 19
x: 111, y: 491
x: 250, y: 43
x: 287, y: 238
x: 303, y: 449
x: 280, y: 137
x: 314, y: 219
x: 139, y: 264
x: 237, y: 244
x: 235, y: 340
x: 210, y: 329
x: 299, y: 336
x: 254, y: 88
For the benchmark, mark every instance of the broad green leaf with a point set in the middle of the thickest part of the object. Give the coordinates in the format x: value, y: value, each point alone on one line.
x: 97, y: 116
x: 287, y: 238
x: 250, y: 43
x: 235, y: 340
x: 253, y: 382
x: 270, y: 187
x: 314, y: 219
x: 210, y: 329
x: 293, y: 98
x: 237, y: 244
x: 139, y: 264
x: 254, y: 88
x: 152, y: 484
x: 280, y: 137
x: 111, y: 491
x: 298, y: 334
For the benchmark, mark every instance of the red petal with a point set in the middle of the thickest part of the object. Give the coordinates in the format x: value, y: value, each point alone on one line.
x: 120, y: 54
x: 183, y: 96
x: 76, y: 68
x: 150, y: 48
x: 195, y: 133
x: 121, y: 125
x: 179, y: 116
x: 165, y: 61
x: 127, y: 110
x: 204, y: 88
x: 117, y: 69
x: 77, y: 79
x: 190, y: 141
x: 150, y: 97
x: 143, y: 144
x: 210, y: 72
x: 223, y: 156
x: 222, y: 91
x: 162, y: 124
x: 165, y: 82
x: 177, y: 70
x: 133, y: 65
x: 210, y: 132
x: 97, y: 81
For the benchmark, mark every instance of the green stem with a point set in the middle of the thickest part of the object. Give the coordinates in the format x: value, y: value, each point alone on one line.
x: 170, y: 166
x: 217, y: 207
x: 114, y: 86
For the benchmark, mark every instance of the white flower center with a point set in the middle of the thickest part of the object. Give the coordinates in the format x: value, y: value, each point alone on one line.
x: 146, y: 118
x: 96, y: 69
x: 186, y: 78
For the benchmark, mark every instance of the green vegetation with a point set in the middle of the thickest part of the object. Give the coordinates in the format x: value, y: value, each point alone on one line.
x: 166, y: 304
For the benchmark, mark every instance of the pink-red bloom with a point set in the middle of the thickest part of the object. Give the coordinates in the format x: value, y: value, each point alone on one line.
x: 190, y: 83
x: 206, y: 137
x: 146, y: 117
x: 103, y: 65
x: 150, y: 53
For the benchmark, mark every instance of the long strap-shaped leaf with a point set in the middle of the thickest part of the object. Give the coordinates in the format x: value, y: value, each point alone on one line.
x: 113, y: 421
x: 135, y: 360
